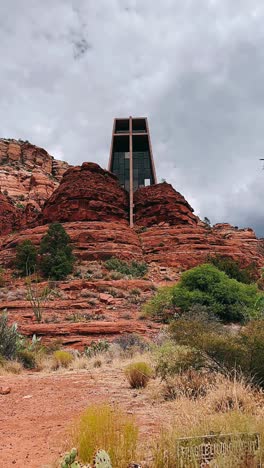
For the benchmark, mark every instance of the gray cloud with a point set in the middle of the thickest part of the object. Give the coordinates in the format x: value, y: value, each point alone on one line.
x: 196, y: 69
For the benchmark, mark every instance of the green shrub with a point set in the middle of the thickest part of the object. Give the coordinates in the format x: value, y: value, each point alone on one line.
x: 138, y: 374
x: 9, y: 338
x: 233, y: 269
x: 160, y: 307
x: 62, y: 358
x: 26, y: 258
x: 220, y: 348
x: 134, y: 268
x: 171, y: 359
x: 27, y: 358
x: 57, y: 259
x: 205, y: 285
x: 104, y: 426
x: 223, y: 348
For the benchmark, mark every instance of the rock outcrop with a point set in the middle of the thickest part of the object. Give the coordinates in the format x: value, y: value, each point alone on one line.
x: 91, y: 241
x: 87, y: 193
x: 183, y: 247
x: 9, y: 216
x: 28, y: 174
x: 160, y: 203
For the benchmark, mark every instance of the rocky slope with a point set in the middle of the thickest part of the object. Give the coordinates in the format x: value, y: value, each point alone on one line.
x: 87, y: 193
x: 94, y: 211
x: 28, y: 176
x: 160, y: 203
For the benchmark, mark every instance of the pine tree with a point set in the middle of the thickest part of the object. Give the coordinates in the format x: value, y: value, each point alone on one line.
x: 57, y: 259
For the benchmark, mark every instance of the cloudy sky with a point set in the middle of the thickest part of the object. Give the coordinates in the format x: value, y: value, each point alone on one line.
x: 195, y: 68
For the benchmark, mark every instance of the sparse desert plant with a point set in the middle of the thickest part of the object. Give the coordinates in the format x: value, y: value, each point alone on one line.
x: 62, y: 358
x: 138, y: 374
x: 9, y: 337
x: 38, y: 296
x: 104, y: 426
x: 116, y: 275
x: 135, y: 269
x: 97, y: 363
x: 191, y: 384
x: 131, y: 340
x: 27, y: 358
x: 160, y: 307
x: 96, y: 347
x: 172, y: 359
x: 233, y: 394
x: 10, y: 367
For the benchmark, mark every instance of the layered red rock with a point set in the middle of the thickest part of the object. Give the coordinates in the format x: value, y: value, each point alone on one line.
x: 87, y: 193
x: 28, y: 174
x: 9, y: 216
x: 183, y: 247
x: 90, y: 240
x: 160, y: 203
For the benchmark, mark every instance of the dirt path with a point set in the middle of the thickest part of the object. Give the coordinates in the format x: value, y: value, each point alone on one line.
x: 35, y: 416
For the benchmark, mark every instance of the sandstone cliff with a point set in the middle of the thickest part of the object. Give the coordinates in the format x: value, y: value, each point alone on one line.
x: 87, y: 193
x: 28, y: 175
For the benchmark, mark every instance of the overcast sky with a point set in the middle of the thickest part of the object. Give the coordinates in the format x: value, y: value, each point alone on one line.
x: 195, y: 68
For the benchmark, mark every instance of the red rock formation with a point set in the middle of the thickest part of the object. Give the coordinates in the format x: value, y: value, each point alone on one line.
x: 91, y: 241
x: 160, y: 203
x: 28, y: 174
x: 183, y: 247
x: 94, y: 211
x: 9, y: 216
x: 87, y: 193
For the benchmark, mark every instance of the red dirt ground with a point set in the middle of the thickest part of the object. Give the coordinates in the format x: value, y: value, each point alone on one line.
x: 35, y: 416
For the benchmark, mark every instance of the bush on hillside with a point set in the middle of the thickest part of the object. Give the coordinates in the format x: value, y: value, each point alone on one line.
x: 207, y: 286
x: 26, y: 258
x: 57, y: 259
x: 160, y: 306
x: 134, y: 268
x: 223, y: 349
x: 172, y: 359
x: 233, y: 269
x: 252, y: 339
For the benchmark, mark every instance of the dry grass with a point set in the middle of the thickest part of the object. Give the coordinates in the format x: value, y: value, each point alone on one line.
x: 229, y: 406
x: 234, y: 394
x: 138, y: 374
x: 107, y: 427
x: 10, y: 367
